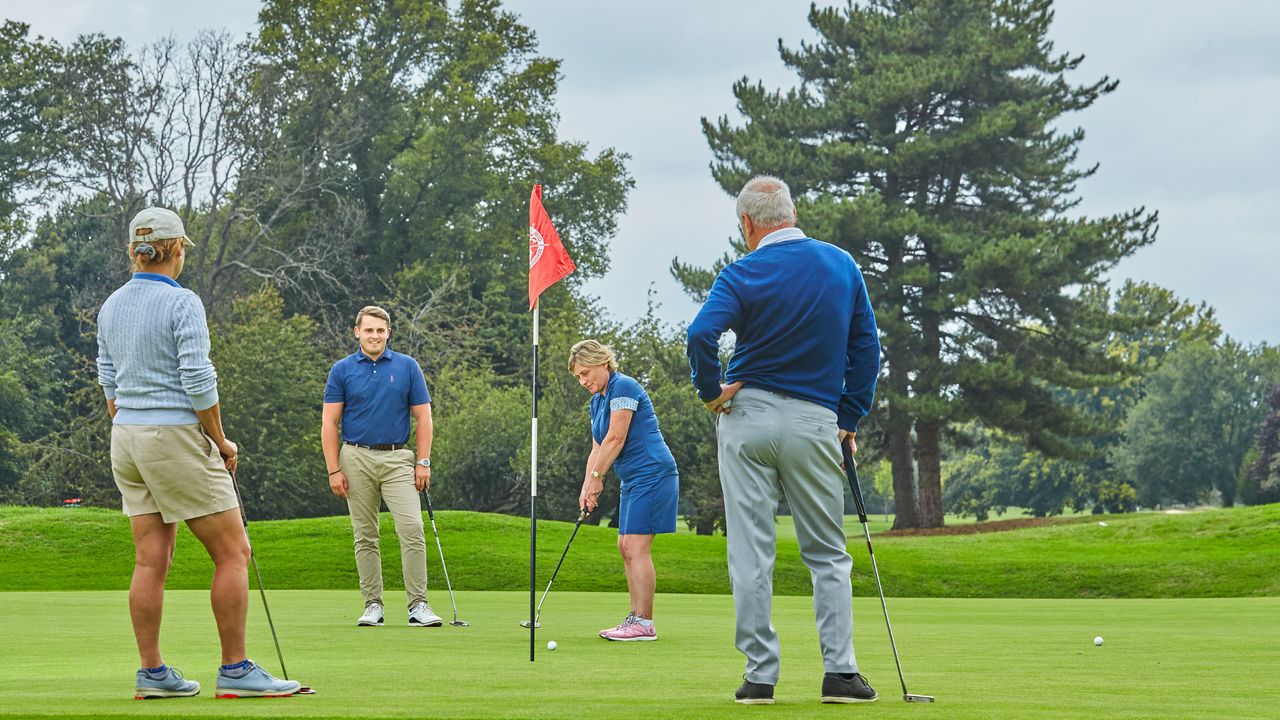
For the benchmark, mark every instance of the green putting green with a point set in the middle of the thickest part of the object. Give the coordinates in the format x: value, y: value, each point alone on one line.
x: 72, y: 654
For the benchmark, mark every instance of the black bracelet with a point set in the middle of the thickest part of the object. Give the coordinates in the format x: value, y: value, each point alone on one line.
x: 335, y: 472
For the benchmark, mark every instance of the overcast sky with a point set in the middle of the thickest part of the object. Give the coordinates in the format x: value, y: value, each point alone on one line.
x: 1191, y: 132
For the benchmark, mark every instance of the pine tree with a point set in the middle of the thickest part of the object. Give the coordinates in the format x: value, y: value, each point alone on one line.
x: 925, y: 138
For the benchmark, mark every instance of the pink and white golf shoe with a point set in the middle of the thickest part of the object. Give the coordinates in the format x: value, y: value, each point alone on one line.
x: 632, y: 632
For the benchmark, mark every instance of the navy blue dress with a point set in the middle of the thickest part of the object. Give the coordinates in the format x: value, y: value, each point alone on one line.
x: 645, y: 467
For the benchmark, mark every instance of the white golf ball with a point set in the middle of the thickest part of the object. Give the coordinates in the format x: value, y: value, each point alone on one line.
x: 1097, y: 640
x: 552, y: 644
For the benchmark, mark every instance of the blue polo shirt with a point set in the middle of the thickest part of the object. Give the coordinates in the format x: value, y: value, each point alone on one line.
x: 645, y: 456
x: 376, y: 396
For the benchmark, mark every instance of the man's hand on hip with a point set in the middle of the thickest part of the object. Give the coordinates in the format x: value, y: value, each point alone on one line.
x: 850, y: 439
x: 722, y: 403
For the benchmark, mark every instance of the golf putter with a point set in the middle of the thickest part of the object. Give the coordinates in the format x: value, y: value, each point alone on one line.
x: 253, y: 557
x: 431, y: 514
x: 582, y: 515
x: 851, y: 471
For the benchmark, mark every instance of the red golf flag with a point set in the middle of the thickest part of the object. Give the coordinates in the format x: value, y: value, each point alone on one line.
x: 549, y: 262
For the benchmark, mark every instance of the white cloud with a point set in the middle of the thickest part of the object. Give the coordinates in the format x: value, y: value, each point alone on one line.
x: 1190, y: 132
x: 139, y: 22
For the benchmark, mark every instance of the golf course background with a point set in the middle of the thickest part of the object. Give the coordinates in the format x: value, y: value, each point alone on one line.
x: 995, y: 624
x: 1211, y: 553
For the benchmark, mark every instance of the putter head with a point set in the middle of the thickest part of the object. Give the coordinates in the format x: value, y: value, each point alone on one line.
x: 908, y: 697
x: 460, y: 623
x: 305, y: 690
x: 527, y: 624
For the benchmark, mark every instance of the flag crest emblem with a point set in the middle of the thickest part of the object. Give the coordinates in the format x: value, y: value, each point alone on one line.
x: 536, y: 246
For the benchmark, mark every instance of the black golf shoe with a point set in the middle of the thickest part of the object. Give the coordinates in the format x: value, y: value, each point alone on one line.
x: 754, y: 693
x: 846, y: 688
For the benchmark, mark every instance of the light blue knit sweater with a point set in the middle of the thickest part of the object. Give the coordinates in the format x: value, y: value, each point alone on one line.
x: 153, y: 353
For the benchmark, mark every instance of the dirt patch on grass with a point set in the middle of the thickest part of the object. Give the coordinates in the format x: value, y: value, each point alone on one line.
x: 989, y: 526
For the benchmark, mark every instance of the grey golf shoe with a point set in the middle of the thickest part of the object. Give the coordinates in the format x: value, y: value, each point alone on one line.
x: 372, y: 615
x: 255, y: 683
x: 421, y: 615
x: 170, y: 686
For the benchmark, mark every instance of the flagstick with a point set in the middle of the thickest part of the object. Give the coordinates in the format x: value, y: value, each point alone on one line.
x: 560, y: 265
x: 533, y: 495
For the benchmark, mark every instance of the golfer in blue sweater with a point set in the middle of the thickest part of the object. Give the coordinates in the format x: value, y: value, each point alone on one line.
x: 803, y: 374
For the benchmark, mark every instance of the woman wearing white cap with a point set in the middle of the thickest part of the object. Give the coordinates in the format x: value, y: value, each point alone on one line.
x: 170, y: 458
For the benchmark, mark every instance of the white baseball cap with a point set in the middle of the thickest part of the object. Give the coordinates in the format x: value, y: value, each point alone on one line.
x: 157, y: 223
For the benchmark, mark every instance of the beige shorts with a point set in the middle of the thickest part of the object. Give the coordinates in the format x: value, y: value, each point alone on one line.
x: 174, y: 470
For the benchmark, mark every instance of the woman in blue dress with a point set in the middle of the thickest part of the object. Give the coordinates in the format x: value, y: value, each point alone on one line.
x: 626, y: 438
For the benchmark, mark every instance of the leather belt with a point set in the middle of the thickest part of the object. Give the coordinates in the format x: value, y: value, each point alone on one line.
x: 399, y: 446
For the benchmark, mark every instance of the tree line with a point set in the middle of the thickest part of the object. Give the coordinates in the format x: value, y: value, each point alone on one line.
x: 382, y: 152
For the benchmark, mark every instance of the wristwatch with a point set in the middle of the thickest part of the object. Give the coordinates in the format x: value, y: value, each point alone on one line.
x: 425, y: 462
x: 595, y: 473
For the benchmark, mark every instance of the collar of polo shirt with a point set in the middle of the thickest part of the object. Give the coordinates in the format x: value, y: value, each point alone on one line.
x: 786, y: 233
x: 361, y: 357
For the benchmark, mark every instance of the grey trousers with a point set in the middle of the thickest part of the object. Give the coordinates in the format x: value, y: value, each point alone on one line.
x: 770, y: 443
x: 373, y: 476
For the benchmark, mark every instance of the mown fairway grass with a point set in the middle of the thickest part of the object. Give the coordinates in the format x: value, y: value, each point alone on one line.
x: 71, y: 653
x: 1015, y: 653
x: 1218, y: 553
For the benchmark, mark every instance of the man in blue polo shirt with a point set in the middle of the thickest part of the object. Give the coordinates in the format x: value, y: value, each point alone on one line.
x: 803, y: 374
x: 364, y: 432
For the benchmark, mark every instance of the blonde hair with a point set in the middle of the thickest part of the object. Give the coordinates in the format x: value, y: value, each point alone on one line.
x: 590, y: 352
x: 144, y: 252
x: 374, y: 311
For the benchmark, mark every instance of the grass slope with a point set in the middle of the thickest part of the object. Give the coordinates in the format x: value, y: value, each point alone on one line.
x: 990, y: 659
x: 1218, y: 553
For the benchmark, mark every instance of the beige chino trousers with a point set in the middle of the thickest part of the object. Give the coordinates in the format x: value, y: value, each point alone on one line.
x: 372, y: 477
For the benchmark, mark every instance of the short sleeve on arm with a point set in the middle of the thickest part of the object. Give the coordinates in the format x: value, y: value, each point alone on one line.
x: 623, y: 403
x: 333, y: 388
x: 625, y: 395
x: 418, y: 393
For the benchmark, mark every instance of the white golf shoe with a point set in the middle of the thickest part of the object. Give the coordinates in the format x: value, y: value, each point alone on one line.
x: 421, y: 615
x: 372, y: 615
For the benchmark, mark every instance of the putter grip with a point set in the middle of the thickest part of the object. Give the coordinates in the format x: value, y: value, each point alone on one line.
x: 430, y: 513
x: 851, y: 471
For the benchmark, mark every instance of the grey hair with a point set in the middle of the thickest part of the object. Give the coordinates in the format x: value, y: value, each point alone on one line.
x: 767, y: 201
